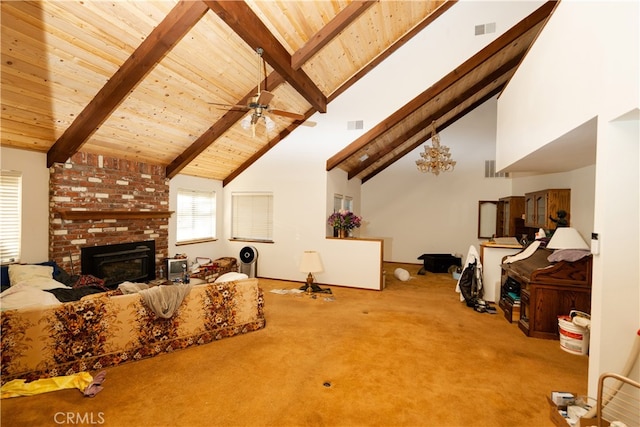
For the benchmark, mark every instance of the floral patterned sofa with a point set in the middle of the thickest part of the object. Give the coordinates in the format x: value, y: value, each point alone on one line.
x: 106, y: 330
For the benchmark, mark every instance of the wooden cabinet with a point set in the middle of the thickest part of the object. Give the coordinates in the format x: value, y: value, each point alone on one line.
x: 546, y: 302
x: 509, y: 222
x: 539, y: 205
x: 547, y: 290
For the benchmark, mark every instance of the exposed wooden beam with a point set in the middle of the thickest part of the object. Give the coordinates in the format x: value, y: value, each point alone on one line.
x: 448, y: 123
x: 218, y: 128
x: 341, y: 21
x: 241, y: 19
x: 320, y: 39
x: 418, y: 127
x: 384, y: 55
x: 161, y: 40
x: 496, y: 46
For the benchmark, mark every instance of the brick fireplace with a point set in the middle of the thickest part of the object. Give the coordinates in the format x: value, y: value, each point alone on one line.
x: 97, y: 200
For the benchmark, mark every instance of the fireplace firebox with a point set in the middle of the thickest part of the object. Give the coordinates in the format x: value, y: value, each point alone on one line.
x: 133, y: 262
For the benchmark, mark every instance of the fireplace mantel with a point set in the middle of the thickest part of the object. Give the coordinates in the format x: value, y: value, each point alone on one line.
x: 71, y: 214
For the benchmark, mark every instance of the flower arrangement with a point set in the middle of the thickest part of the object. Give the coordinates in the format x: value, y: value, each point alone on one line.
x: 344, y: 220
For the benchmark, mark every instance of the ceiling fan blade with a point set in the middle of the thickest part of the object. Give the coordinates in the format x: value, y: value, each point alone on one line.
x: 308, y: 123
x: 244, y: 107
x: 265, y: 97
x: 287, y: 114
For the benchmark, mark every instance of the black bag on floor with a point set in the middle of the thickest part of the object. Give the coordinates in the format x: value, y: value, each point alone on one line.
x: 469, y: 284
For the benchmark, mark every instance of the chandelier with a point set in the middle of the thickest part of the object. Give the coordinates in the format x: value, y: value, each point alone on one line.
x: 435, y: 159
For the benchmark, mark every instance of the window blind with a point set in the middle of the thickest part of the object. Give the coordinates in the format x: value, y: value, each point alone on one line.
x: 10, y: 215
x: 196, y: 215
x: 252, y: 216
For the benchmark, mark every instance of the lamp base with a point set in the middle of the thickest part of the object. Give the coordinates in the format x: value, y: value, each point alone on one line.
x: 312, y: 288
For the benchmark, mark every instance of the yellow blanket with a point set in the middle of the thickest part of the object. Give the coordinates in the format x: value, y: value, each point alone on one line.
x: 19, y: 387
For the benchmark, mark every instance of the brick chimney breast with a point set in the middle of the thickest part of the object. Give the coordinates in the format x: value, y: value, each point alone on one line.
x: 100, y: 184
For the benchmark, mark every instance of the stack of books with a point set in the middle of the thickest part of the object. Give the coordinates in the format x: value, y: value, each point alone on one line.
x: 513, y: 298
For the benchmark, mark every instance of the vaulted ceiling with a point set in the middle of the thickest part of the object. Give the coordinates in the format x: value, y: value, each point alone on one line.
x: 166, y: 82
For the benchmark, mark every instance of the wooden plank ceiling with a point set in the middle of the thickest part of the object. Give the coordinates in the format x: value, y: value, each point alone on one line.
x: 144, y: 80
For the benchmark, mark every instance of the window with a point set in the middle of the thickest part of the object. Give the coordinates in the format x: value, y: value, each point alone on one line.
x: 348, y: 203
x: 10, y: 215
x: 337, y: 202
x: 252, y: 216
x: 196, y: 216
x: 342, y: 202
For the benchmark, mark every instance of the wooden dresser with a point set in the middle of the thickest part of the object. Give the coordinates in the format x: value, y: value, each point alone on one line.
x: 548, y: 290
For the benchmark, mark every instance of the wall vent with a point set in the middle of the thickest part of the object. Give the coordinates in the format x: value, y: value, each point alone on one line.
x: 490, y: 170
x: 355, y: 125
x: 485, y: 28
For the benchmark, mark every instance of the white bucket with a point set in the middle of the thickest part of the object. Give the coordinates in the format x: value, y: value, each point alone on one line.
x: 573, y: 339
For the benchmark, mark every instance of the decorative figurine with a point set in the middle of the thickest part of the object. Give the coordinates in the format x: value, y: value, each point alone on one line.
x: 561, y: 221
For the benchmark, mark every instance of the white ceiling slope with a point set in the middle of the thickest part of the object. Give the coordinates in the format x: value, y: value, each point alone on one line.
x: 574, y: 150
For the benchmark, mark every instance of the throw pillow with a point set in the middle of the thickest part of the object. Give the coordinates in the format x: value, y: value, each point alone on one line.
x: 22, y: 272
x: 44, y: 284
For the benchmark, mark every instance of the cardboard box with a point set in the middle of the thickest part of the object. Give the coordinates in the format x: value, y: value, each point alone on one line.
x: 561, y: 421
x: 563, y: 398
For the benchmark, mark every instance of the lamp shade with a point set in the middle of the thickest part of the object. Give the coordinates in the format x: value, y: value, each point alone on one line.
x: 310, y: 262
x: 567, y: 238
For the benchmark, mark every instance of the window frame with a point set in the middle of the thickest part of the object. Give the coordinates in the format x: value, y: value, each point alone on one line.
x: 10, y: 216
x: 196, y: 220
x: 341, y: 202
x: 257, y: 226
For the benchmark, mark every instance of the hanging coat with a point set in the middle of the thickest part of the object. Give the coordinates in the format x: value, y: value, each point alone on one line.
x: 469, y: 284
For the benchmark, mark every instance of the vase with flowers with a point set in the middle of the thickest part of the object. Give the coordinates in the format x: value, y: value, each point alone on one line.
x: 343, y: 221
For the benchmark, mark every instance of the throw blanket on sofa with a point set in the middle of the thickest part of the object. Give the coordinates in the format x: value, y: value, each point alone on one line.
x: 165, y: 300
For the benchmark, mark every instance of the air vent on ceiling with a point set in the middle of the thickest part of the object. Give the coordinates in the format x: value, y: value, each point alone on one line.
x: 485, y: 28
x: 490, y: 170
x: 355, y: 125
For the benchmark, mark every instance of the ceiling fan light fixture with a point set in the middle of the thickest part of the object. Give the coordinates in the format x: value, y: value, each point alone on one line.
x: 270, y: 124
x: 245, y: 123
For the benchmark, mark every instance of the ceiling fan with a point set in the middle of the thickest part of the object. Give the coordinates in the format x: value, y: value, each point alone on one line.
x: 259, y: 105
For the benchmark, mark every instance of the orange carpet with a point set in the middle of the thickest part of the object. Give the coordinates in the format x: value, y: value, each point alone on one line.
x: 411, y: 355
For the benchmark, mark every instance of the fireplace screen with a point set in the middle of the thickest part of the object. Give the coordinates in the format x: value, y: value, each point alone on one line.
x: 133, y: 262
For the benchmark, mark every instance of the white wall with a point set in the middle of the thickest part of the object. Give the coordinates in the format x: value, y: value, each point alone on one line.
x: 616, y: 270
x: 586, y: 64
x: 421, y: 213
x: 303, y: 191
x: 35, y: 200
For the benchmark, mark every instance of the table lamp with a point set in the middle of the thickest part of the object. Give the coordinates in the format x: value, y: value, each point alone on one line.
x: 567, y: 238
x: 310, y: 263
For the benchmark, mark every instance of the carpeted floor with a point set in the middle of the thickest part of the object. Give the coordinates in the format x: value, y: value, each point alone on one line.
x: 411, y: 355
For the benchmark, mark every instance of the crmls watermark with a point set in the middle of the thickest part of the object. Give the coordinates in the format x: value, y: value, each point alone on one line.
x: 78, y: 418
